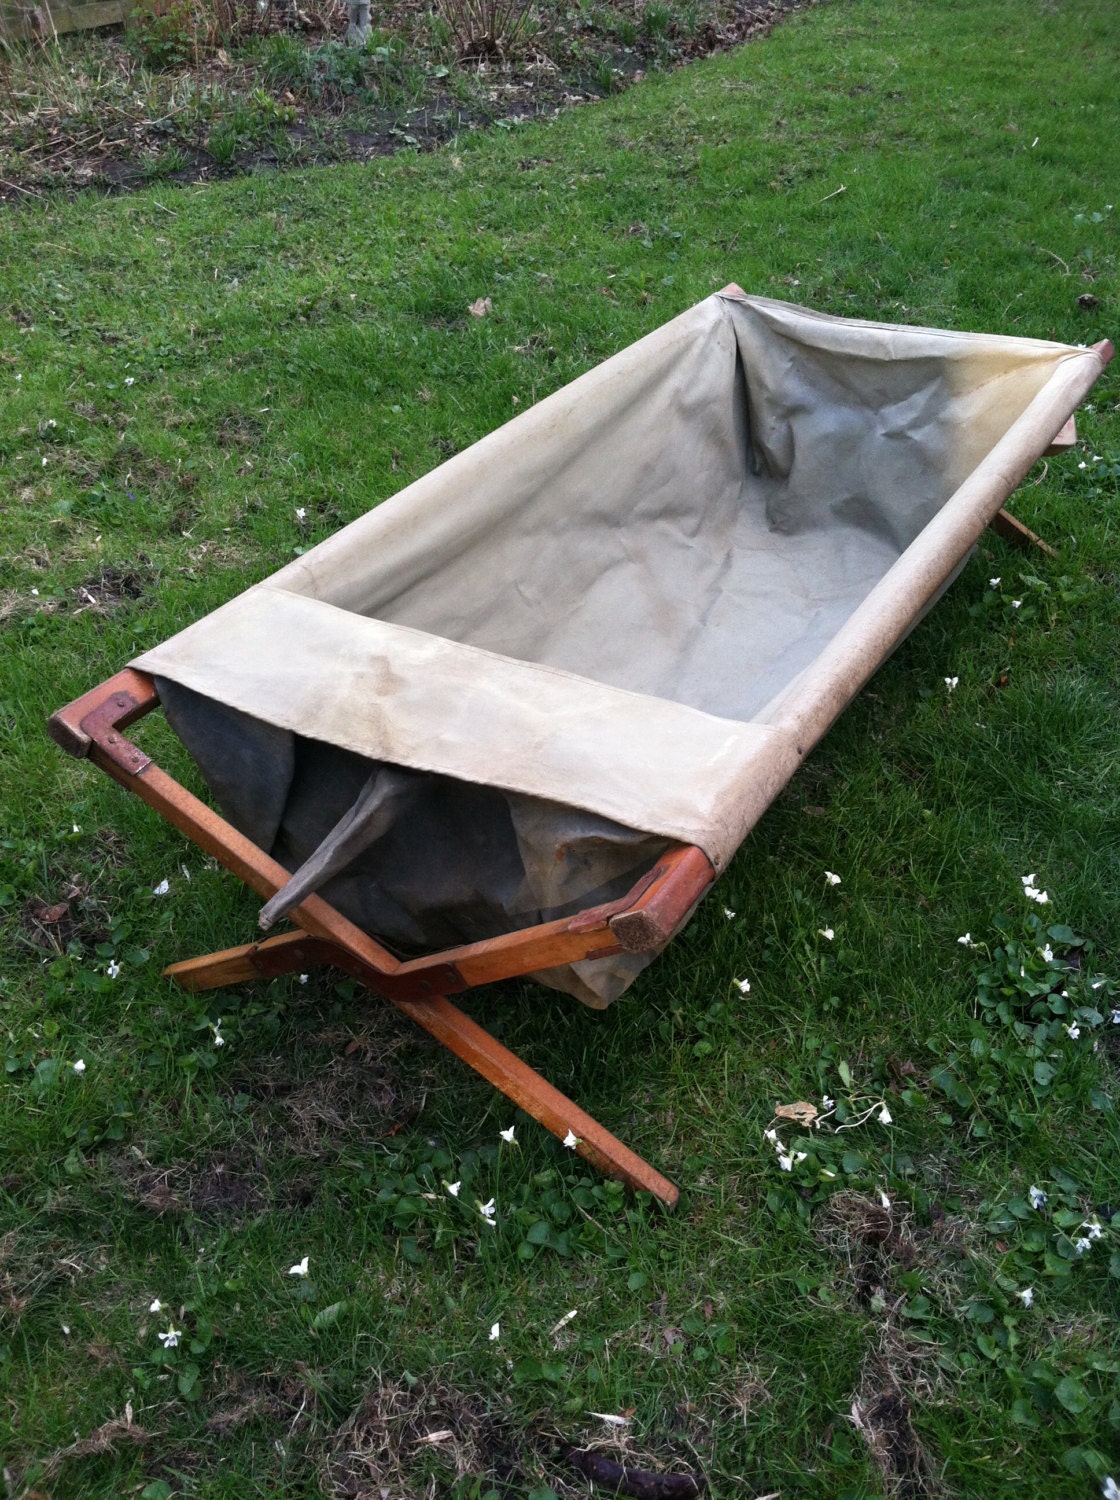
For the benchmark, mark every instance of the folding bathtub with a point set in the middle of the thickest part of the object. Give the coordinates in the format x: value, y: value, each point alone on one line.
x: 517, y: 719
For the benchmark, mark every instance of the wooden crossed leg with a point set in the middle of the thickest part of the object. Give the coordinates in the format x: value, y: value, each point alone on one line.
x: 642, y: 921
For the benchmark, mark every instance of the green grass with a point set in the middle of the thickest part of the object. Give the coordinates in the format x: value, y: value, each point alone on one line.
x: 196, y: 365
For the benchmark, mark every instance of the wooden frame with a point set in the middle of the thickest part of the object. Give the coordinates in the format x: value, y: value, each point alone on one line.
x: 642, y: 921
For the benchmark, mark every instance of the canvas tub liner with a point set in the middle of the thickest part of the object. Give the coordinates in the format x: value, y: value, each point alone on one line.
x: 619, y: 621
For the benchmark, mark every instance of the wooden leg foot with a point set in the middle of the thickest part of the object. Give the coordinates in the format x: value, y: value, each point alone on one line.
x: 1004, y: 524
x: 547, y: 1105
x: 286, y: 954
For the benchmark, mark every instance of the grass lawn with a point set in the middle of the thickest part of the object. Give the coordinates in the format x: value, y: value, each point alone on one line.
x: 199, y: 382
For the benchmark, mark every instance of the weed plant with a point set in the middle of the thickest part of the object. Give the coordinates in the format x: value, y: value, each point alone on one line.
x: 272, y: 1240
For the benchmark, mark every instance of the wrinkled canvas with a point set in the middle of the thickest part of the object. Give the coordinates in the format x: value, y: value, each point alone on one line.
x: 620, y: 620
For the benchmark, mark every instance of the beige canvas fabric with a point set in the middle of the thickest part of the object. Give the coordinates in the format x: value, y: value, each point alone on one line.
x: 645, y: 598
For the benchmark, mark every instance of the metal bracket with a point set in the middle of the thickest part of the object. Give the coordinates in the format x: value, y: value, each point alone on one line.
x: 101, y: 727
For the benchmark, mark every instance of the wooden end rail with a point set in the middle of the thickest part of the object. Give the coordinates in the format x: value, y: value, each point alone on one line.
x: 643, y: 920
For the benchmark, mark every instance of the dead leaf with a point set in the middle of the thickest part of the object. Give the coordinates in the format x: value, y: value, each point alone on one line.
x: 436, y: 1437
x: 50, y: 916
x: 802, y: 1112
x: 480, y: 308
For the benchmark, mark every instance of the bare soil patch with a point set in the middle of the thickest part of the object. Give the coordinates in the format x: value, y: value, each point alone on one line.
x: 117, y: 110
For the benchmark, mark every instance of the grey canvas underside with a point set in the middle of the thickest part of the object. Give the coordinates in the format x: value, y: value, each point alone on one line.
x: 695, y: 532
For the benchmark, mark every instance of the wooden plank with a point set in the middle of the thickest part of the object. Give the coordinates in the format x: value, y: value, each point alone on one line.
x: 45, y: 20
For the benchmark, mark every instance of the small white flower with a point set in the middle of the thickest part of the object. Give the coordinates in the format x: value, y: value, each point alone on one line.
x: 161, y: 889
x: 80, y: 1065
x: 1093, y: 1229
x: 951, y: 682
x: 1116, y: 1018
x: 453, y: 1188
x: 507, y: 1135
x: 1082, y: 1246
x: 66, y: 1329
x: 155, y: 1305
x: 495, y: 1332
x: 884, y: 1200
x: 1047, y: 952
x: 1015, y: 603
x: 743, y: 986
x: 130, y: 380
x: 301, y: 514
x: 114, y: 969
x: 1026, y: 1296
x: 303, y: 978
x: 826, y: 932
x: 966, y: 940
x: 1074, y: 1031
x: 785, y: 1161
x: 729, y: 914
x: 827, y: 1103
x: 571, y: 1140
x: 832, y: 877
x: 301, y: 1268
x: 219, y: 1039
x: 1027, y: 879
x: 487, y: 1211
x: 1036, y: 1196
x: 42, y: 463
x: 170, y: 1339
x: 73, y: 826
x: 1032, y: 893
x: 772, y: 1137
x: 35, y: 595
x: 1082, y: 465
x: 884, y: 1116
x: 1096, y: 458
x: 1110, y: 1490
x: 993, y: 583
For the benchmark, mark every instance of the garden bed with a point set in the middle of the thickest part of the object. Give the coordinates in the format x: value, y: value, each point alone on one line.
x: 180, y: 97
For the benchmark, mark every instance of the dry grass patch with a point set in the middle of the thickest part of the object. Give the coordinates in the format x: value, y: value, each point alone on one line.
x: 230, y: 1185
x: 875, y: 1243
x: 379, y: 1447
